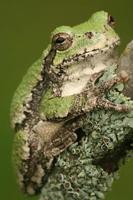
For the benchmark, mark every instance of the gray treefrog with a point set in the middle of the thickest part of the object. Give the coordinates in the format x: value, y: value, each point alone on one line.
x: 56, y: 93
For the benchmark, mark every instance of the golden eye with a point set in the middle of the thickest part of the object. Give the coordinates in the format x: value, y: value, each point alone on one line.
x: 111, y: 20
x: 62, y: 41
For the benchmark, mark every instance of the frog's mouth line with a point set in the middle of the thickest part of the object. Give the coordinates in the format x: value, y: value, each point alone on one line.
x: 82, y: 56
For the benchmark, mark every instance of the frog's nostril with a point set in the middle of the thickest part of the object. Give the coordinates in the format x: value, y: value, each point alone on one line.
x: 89, y: 35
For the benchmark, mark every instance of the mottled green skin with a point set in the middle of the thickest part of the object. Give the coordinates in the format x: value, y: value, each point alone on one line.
x: 98, y: 24
x: 22, y: 93
x: 20, y: 143
x: 57, y: 107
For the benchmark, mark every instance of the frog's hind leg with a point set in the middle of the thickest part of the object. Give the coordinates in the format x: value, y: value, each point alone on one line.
x: 62, y: 141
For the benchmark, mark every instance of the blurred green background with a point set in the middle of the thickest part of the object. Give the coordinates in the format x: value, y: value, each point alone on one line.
x: 25, y: 26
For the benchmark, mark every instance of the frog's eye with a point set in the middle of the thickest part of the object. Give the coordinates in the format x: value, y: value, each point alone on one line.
x: 111, y: 20
x: 62, y: 41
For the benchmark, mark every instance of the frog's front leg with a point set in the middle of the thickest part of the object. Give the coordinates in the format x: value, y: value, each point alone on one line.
x: 100, y: 102
x: 122, y: 77
x: 94, y: 97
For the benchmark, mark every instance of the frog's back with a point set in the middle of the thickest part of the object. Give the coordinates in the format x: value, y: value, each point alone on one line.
x: 23, y: 93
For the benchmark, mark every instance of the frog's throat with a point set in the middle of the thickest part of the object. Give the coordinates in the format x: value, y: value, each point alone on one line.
x: 85, y: 54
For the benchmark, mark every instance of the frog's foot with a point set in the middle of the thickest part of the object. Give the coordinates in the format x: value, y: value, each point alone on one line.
x: 105, y: 103
x: 63, y: 140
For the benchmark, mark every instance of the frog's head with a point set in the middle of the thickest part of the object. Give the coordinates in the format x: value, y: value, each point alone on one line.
x: 75, y: 44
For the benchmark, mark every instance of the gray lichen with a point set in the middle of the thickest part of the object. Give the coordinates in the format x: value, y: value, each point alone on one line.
x: 87, y: 169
